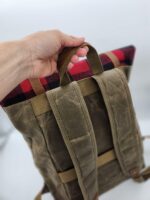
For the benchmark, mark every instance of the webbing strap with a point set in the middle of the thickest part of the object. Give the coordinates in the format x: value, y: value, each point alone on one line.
x: 37, y: 86
x: 71, y: 114
x: 116, y: 63
x: 117, y: 98
x: 113, y: 58
x: 145, y: 174
x: 103, y: 159
x: 40, y: 104
x: 145, y: 137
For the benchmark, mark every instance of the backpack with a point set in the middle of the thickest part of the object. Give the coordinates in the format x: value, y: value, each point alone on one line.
x: 84, y: 135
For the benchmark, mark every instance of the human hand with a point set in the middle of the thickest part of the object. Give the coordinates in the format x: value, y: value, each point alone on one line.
x: 44, y: 48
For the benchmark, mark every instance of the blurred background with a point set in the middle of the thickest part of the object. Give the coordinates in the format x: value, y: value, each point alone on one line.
x: 107, y: 25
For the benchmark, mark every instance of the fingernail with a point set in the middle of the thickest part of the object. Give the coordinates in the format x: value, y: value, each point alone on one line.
x: 74, y: 59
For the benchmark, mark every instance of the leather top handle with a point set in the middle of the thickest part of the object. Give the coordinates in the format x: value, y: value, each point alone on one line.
x: 66, y: 55
x: 62, y: 64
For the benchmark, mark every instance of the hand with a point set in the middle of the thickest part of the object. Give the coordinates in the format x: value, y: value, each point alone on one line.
x: 44, y: 49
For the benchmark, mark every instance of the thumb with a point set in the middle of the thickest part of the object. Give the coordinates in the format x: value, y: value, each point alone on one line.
x: 71, y: 41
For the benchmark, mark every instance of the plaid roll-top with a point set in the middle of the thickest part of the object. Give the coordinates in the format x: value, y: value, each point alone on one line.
x: 79, y: 71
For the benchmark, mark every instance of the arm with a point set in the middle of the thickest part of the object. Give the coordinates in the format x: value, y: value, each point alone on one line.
x: 32, y: 57
x: 13, y: 63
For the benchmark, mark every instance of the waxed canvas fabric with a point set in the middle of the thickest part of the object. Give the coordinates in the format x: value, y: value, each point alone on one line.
x: 67, y: 128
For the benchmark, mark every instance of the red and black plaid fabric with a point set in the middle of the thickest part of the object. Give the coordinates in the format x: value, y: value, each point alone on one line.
x: 79, y: 71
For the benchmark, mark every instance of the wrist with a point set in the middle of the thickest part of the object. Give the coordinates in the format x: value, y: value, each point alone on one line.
x: 14, y: 61
x: 26, y: 59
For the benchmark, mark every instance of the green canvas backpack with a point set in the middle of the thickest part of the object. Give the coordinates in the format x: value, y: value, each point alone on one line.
x: 83, y: 135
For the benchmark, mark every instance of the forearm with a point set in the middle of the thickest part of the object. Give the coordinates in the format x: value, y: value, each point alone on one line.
x: 14, y: 61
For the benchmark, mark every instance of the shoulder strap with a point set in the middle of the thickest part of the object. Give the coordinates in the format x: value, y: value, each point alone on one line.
x: 71, y: 114
x: 114, y: 88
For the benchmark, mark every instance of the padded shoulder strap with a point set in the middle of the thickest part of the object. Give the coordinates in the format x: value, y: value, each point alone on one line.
x: 117, y: 98
x: 71, y: 114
